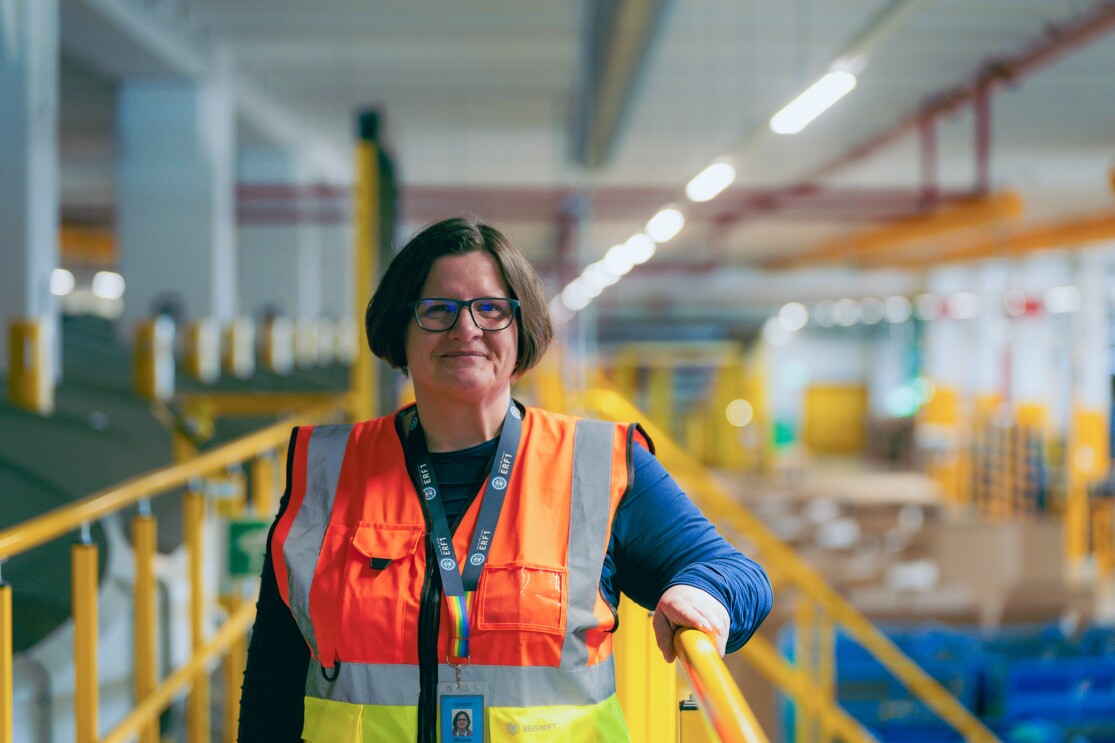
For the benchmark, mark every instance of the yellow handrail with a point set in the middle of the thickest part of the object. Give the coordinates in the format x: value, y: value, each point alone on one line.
x: 781, y: 558
x: 149, y: 708
x: 65, y: 519
x: 60, y: 521
x: 721, y: 702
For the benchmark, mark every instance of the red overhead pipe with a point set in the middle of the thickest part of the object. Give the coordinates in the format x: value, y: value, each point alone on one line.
x: 983, y: 139
x: 1058, y: 40
x: 928, y: 133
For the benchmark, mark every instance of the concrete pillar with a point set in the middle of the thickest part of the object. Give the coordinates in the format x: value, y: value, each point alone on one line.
x: 29, y: 210
x: 336, y: 266
x: 280, y: 238
x: 176, y: 198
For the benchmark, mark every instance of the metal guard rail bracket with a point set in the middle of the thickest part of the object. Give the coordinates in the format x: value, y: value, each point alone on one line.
x: 721, y: 702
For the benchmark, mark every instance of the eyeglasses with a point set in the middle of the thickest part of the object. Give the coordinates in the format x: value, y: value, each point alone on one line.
x: 438, y: 314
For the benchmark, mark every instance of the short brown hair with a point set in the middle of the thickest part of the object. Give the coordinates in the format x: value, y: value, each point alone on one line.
x: 387, y: 316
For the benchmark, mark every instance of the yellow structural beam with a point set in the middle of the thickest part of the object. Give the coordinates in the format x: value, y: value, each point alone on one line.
x: 362, y: 380
x: 1072, y: 233
x: 721, y: 702
x: 218, y: 405
x: 976, y: 212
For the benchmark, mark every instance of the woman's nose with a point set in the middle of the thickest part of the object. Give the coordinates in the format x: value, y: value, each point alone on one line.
x: 465, y: 326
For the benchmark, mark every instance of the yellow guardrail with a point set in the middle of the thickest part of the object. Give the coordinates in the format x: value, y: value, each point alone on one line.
x: 151, y: 697
x: 781, y: 561
x: 722, y: 704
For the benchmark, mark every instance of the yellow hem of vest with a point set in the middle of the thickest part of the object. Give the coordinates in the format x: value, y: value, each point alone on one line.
x: 345, y: 722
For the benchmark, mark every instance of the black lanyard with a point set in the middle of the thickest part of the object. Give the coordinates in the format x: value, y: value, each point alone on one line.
x: 457, y: 583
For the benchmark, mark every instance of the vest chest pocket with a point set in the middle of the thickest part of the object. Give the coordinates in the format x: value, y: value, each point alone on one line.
x: 522, y: 596
x: 384, y: 544
x: 380, y: 597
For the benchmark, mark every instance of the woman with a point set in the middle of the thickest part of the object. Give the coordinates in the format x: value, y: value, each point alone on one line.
x: 461, y: 724
x: 467, y: 551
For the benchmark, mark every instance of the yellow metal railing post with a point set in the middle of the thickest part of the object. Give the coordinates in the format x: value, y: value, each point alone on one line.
x: 84, y: 581
x: 720, y: 698
x: 233, y: 666
x: 263, y: 484
x: 144, y: 639
x: 631, y: 666
x: 149, y: 709
x: 826, y: 668
x: 805, y: 653
x: 197, y: 706
x: 5, y: 663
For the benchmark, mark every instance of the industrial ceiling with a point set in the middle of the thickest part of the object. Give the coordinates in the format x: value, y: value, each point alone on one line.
x: 572, y: 123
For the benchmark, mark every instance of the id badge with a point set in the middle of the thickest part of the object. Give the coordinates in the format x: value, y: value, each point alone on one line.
x: 461, y: 712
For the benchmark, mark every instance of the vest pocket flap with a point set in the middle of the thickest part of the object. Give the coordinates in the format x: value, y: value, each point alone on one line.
x: 522, y: 596
x: 381, y: 543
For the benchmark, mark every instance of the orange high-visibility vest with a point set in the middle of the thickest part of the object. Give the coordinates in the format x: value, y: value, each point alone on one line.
x: 351, y: 560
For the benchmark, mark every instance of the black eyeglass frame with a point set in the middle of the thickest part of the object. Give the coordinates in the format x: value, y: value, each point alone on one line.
x: 462, y: 304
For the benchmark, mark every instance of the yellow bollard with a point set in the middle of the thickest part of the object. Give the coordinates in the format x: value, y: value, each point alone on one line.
x: 153, y: 359
x: 238, y: 348
x: 84, y: 560
x: 144, y: 640
x: 197, y: 705
x: 5, y: 663
x: 276, y: 348
x: 30, y: 365
x: 202, y: 352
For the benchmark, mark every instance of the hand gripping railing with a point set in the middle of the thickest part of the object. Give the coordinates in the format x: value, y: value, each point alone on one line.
x: 780, y: 560
x: 151, y: 697
x: 721, y: 702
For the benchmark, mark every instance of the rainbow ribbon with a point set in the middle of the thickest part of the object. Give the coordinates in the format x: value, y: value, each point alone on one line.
x: 458, y: 625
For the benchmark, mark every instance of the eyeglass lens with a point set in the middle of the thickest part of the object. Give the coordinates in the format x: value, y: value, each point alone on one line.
x: 441, y: 314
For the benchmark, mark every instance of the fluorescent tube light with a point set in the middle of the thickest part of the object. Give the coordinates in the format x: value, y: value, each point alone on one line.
x: 813, y: 102
x: 664, y: 225
x: 711, y: 181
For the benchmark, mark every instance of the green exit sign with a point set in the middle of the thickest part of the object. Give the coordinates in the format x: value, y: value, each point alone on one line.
x: 247, y: 541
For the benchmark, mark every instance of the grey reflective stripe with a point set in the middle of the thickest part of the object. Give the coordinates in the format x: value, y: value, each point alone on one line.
x: 590, y: 506
x: 365, y: 683
x: 324, y: 453
x: 508, y: 686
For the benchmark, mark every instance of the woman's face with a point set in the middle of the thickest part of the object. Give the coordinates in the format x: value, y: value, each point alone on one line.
x: 461, y: 722
x: 464, y: 362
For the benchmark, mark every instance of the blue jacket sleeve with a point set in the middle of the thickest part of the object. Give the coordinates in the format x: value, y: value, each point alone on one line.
x: 659, y: 539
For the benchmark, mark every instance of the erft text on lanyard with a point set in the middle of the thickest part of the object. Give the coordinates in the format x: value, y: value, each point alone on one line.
x: 458, y: 584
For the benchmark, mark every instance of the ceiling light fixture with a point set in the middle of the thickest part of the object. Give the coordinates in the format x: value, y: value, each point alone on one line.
x: 707, y: 184
x: 817, y: 99
x: 665, y: 225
